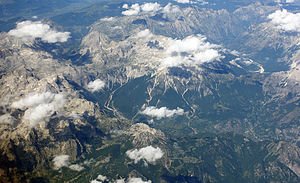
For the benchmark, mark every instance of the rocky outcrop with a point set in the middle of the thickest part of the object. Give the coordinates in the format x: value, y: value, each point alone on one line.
x: 34, y: 129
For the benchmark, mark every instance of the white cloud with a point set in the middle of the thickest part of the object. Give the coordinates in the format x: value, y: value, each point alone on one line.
x: 183, y: 1
x: 150, y: 7
x: 95, y: 181
x: 107, y: 19
x: 76, y: 167
x: 99, y: 179
x: 96, y: 85
x: 144, y: 33
x: 32, y: 30
x: 39, y: 106
x: 103, y: 178
x: 284, y: 1
x: 125, y: 6
x: 170, y: 8
x: 61, y: 161
x: 136, y: 9
x: 137, y: 180
x: 192, y: 50
x: 286, y: 21
x: 201, y: 2
x: 33, y: 100
x: 149, y: 153
x: 133, y: 10
x: 120, y: 181
x: 162, y: 112
x: 7, y: 119
x: 89, y: 162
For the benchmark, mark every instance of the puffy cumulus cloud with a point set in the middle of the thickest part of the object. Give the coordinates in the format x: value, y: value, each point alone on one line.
x: 192, y: 50
x: 144, y: 34
x: 136, y: 8
x: 32, y: 30
x: 96, y: 85
x: 149, y: 154
x: 162, y: 112
x: 286, y: 21
x: 76, y: 167
x: 150, y: 7
x: 39, y: 106
x: 61, y: 161
x: 137, y: 180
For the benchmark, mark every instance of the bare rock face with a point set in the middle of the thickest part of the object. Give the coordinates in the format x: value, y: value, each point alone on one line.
x: 43, y: 114
x: 142, y: 135
x: 287, y: 154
